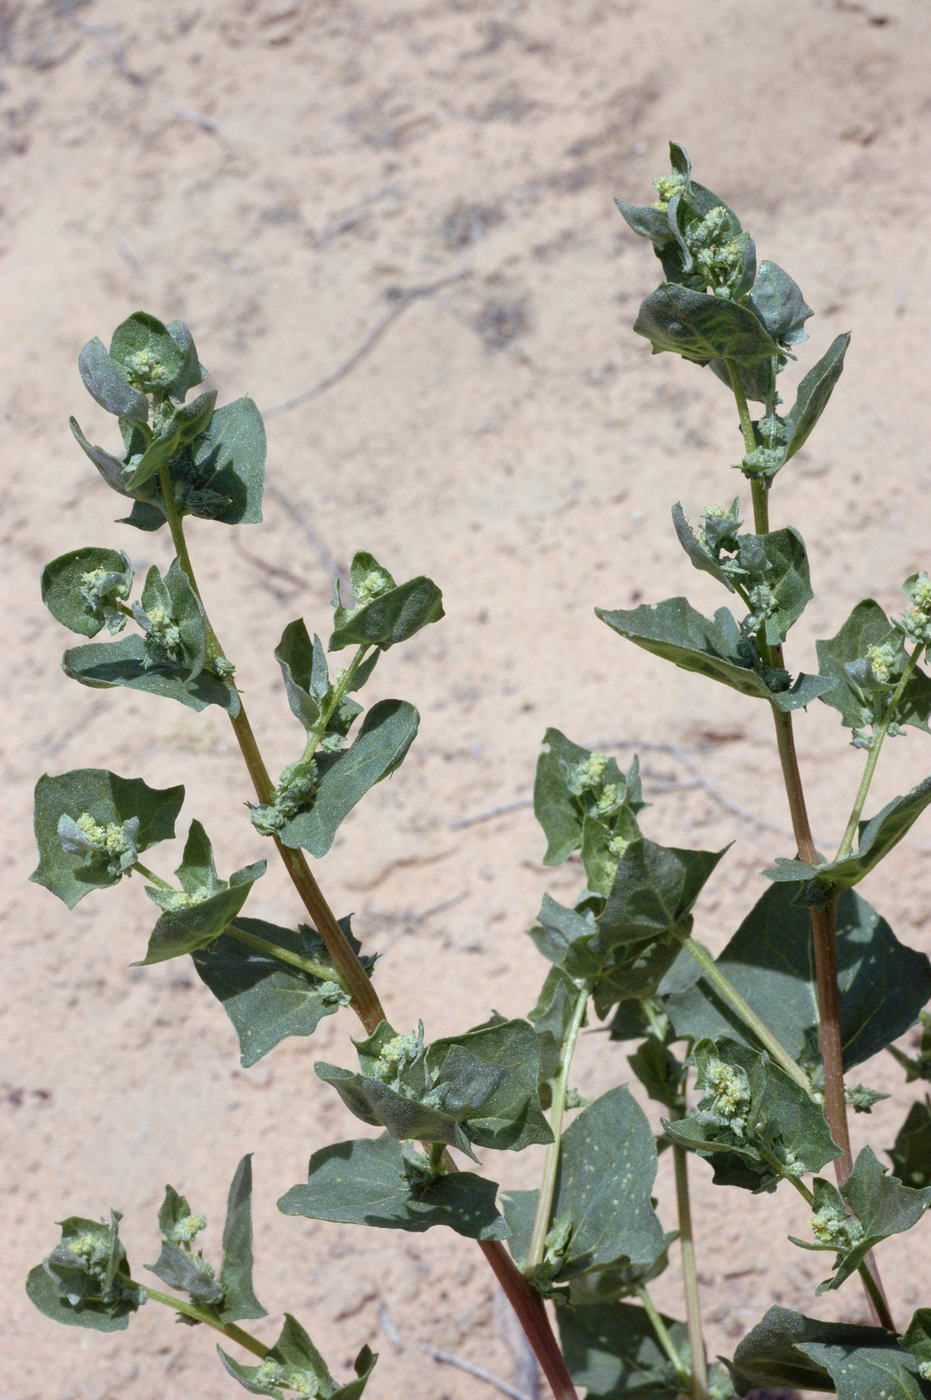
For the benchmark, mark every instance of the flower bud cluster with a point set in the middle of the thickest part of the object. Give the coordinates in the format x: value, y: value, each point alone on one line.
x: 117, y: 841
x: 667, y: 187
x: 274, y: 1373
x: 727, y: 1097
x: 163, y: 644
x: 915, y: 622
x: 375, y: 583
x: 99, y: 589
x: 833, y: 1226
x: 146, y: 371
x: 717, y: 253
x: 296, y: 788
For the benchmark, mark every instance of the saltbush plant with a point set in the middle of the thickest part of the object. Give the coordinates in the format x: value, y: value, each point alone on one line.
x: 745, y: 1054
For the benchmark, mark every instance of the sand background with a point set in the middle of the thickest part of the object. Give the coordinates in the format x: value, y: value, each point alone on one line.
x: 285, y: 178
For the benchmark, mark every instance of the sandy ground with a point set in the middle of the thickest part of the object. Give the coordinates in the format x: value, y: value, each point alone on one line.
x: 283, y: 177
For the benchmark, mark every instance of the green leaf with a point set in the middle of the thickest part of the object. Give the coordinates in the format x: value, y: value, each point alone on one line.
x: 304, y: 669
x: 387, y: 732
x: 563, y: 935
x: 173, y: 622
x: 192, y: 372
x: 295, y: 1363
x: 80, y: 589
x: 182, y: 426
x: 583, y: 800
x: 205, y: 906
x: 617, y: 1281
x: 881, y: 1206
x: 267, y: 1000
x: 239, y: 1299
x: 712, y: 647
x: 384, y: 1182
x: 779, y: 561
x: 653, y: 894
x: 778, y: 302
x: 813, y: 394
x: 187, y: 1271
x: 911, y: 1154
x: 391, y: 616
x: 877, y: 837
x: 405, y: 1116
x: 754, y: 1124
x: 102, y: 665
x: 861, y: 1363
x: 106, y: 382
x: 701, y: 557
x: 551, y: 1017
x: 146, y: 353
x: 611, y: 1348
x: 882, y: 983
x: 222, y: 475
x: 702, y: 328
x: 510, y: 1116
x: 607, y: 1165
x: 82, y: 1283
x: 111, y: 802
x: 658, y: 1070
x: 838, y: 656
x: 917, y: 1340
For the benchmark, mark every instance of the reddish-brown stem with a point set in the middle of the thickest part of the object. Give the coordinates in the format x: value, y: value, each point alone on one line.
x: 526, y: 1303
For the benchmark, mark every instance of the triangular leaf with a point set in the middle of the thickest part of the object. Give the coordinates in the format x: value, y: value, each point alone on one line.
x: 131, y: 815
x: 769, y: 960
x: 787, y: 1349
x: 845, y: 657
x: 387, y: 732
x: 702, y: 328
x: 295, y: 1364
x: 267, y: 1000
x: 385, y: 1183
x: 911, y: 1154
x: 83, y: 1282
x: 612, y: 1349
x: 81, y: 589
x: 106, y: 382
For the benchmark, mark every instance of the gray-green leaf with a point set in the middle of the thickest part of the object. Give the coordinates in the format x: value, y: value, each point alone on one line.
x: 81, y: 589
x: 813, y: 394
x: 702, y: 328
x: 713, y: 647
x: 383, y: 1182
x: 911, y: 1153
x: 611, y: 1348
x: 267, y: 1000
x: 295, y: 1363
x: 883, y: 984
x: 387, y: 732
x: 112, y: 802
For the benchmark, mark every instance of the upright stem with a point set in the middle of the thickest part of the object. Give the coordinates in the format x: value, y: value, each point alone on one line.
x: 823, y: 928
x: 690, y: 1275
x: 526, y: 1303
x: 541, y: 1223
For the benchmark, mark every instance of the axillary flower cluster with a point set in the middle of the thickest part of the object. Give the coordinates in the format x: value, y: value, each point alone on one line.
x: 717, y: 252
x: 116, y: 842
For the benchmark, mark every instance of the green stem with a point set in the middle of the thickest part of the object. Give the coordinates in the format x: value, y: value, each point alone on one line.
x: 699, y: 1389
x: 526, y: 1303
x: 332, y: 704
x: 148, y: 874
x: 175, y: 525
x: 541, y: 1223
x: 683, y: 1379
x: 261, y: 945
x: 229, y: 1329
x: 846, y: 845
x: 722, y: 984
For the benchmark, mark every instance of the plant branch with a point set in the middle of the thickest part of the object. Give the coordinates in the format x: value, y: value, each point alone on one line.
x: 722, y: 984
x: 271, y: 950
x: 879, y: 736
x: 229, y: 1329
x: 699, y: 1380
x: 823, y: 921
x: 541, y: 1223
x: 365, y: 1000
x: 683, y: 1379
